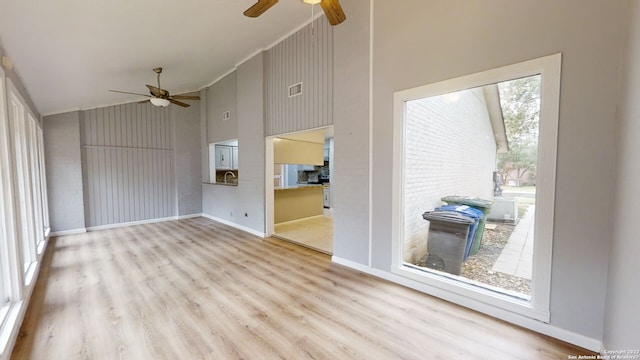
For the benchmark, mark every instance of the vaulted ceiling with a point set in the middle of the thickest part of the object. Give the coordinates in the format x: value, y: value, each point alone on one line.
x: 68, y: 53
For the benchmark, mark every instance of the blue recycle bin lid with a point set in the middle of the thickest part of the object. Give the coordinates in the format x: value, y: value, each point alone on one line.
x: 463, y: 209
x: 448, y: 216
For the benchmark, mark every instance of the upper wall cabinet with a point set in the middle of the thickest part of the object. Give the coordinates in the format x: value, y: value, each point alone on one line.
x: 222, y: 120
x: 299, y: 80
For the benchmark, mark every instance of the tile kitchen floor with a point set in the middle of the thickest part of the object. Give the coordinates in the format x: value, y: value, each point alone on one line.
x: 314, y: 232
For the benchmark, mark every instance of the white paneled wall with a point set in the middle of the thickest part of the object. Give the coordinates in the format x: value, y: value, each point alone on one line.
x: 305, y: 57
x: 128, y: 165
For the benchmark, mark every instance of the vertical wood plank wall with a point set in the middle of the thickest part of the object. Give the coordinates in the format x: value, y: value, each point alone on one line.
x: 307, y: 57
x: 128, y: 166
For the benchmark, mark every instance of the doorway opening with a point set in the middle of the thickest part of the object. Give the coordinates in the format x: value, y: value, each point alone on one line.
x: 299, y: 195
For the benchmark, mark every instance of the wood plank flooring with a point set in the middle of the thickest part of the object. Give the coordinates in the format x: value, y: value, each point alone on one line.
x: 197, y: 289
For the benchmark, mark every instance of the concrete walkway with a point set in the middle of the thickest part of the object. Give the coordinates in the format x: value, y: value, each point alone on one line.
x: 517, y: 256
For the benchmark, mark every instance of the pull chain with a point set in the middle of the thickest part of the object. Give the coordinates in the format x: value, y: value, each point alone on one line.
x: 312, y: 21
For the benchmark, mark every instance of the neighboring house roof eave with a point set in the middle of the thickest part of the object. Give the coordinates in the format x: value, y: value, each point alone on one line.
x: 492, y: 98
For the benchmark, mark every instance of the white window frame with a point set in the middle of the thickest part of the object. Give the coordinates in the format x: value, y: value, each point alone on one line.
x: 43, y: 189
x: 22, y: 165
x: 9, y: 244
x: 467, y: 294
x: 36, y: 187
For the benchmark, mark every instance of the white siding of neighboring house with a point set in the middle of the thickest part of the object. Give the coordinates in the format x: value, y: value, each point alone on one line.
x: 450, y: 150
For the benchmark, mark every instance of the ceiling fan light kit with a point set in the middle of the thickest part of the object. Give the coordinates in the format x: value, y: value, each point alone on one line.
x: 160, y: 96
x: 160, y: 102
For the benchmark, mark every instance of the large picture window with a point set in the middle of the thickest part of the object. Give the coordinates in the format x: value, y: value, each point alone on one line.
x: 24, y: 224
x: 22, y: 165
x: 474, y: 165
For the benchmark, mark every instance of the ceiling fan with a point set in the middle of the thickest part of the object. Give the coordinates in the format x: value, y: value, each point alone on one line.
x: 160, y: 96
x: 331, y: 8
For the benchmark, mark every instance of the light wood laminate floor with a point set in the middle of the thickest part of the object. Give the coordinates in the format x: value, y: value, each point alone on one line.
x: 314, y: 232
x: 197, y: 289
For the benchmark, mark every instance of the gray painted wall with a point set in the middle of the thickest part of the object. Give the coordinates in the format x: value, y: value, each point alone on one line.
x: 231, y: 203
x: 121, y: 164
x: 350, y: 175
x: 128, y: 164
x: 622, y: 321
x: 187, y: 158
x: 307, y: 57
x: 64, y: 171
x: 251, y: 142
x: 221, y: 97
x: 464, y: 37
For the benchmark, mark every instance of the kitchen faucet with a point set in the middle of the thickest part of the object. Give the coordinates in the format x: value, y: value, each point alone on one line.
x: 227, y: 173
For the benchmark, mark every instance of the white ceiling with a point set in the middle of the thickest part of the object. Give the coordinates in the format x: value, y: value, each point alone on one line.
x: 68, y: 53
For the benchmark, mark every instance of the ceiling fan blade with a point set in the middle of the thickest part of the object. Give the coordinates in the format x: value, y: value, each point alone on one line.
x: 260, y: 7
x: 157, y: 92
x: 180, y: 103
x: 333, y: 11
x: 185, y: 97
x: 132, y: 93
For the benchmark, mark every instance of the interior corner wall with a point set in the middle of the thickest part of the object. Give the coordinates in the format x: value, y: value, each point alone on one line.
x: 186, y: 122
x: 64, y: 171
x: 622, y: 318
x: 117, y: 164
x: 350, y: 175
x: 419, y: 42
x: 231, y: 203
x: 128, y: 167
x: 251, y: 142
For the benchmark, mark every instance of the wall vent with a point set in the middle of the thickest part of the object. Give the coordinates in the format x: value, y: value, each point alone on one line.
x: 295, y: 89
x: 226, y: 115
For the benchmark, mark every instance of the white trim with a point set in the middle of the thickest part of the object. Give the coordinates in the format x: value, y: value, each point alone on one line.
x: 68, y: 232
x: 190, y: 216
x: 131, y: 223
x: 117, y: 225
x: 539, y: 306
x: 371, y: 163
x: 11, y: 328
x: 508, y: 316
x: 269, y: 195
x: 237, y: 226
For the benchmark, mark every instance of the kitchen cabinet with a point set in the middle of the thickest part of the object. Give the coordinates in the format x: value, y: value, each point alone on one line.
x: 234, y: 158
x: 226, y: 157
x: 223, y: 157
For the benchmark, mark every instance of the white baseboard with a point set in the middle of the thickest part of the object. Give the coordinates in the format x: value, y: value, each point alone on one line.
x: 130, y: 223
x: 190, y: 216
x: 531, y: 324
x: 68, y: 232
x: 237, y: 226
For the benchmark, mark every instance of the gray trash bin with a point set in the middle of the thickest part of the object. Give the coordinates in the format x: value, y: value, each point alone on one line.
x: 447, y: 239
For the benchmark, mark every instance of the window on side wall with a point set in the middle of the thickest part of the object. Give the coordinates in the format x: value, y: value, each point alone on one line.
x: 473, y: 205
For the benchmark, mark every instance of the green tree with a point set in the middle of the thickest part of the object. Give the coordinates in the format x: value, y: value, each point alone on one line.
x: 520, y: 102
